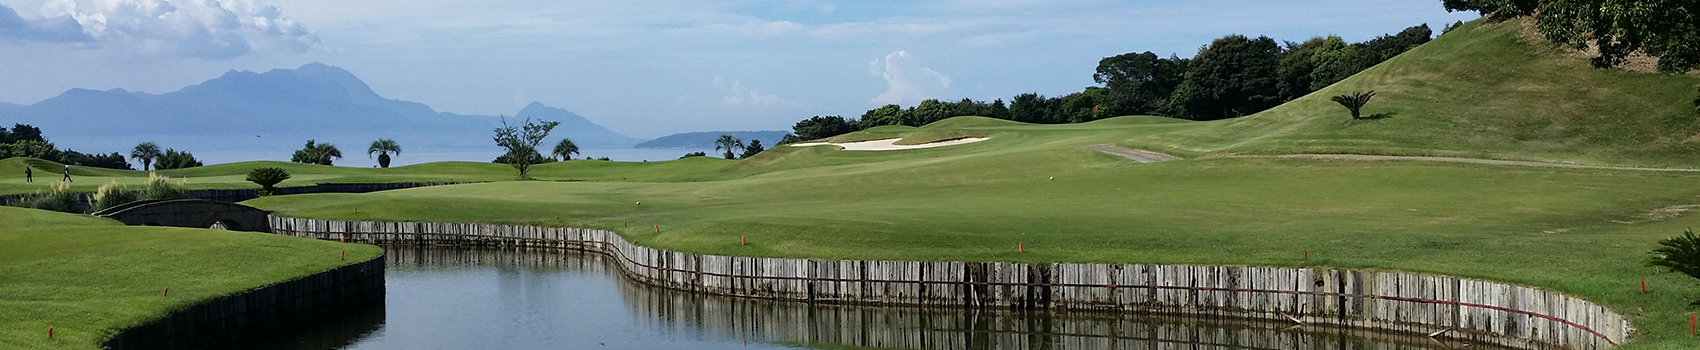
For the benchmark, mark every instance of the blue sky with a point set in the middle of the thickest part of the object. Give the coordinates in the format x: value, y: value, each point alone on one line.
x: 650, y: 68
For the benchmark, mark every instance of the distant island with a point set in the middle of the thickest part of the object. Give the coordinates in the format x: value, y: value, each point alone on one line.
x: 705, y: 139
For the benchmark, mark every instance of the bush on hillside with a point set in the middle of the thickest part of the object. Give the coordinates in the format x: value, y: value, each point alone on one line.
x: 1355, y: 102
x: 174, y: 159
x: 267, y: 178
x: 111, y: 194
x: 694, y: 154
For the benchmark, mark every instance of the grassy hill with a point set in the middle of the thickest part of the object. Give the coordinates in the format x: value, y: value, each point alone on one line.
x: 1481, y: 91
x: 88, y: 277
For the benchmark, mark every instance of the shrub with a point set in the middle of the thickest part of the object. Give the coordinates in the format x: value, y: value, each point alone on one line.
x: 267, y: 177
x: 1678, y: 254
x: 111, y: 195
x: 694, y: 154
x: 1355, y: 102
x: 58, y: 198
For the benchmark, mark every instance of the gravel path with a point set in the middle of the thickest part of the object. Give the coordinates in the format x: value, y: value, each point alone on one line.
x: 1135, y: 155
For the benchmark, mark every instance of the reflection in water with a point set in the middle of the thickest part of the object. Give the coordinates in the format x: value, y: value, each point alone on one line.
x: 464, y: 299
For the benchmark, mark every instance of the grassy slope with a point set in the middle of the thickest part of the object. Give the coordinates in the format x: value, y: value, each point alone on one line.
x: 1478, y: 91
x: 87, y: 277
x: 1579, y: 231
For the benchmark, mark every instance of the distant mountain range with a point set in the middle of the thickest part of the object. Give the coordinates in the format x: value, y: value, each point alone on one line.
x: 705, y: 140
x: 276, y: 110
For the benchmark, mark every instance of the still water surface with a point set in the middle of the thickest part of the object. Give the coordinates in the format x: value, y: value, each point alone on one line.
x: 506, y: 299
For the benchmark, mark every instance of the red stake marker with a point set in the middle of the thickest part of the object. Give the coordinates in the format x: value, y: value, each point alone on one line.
x: 344, y: 255
x: 1307, y: 254
x: 356, y: 210
x: 49, y: 332
x: 1643, y: 286
x: 1690, y: 325
x: 1019, y: 249
x: 166, y: 293
x: 740, y: 240
x: 657, y: 228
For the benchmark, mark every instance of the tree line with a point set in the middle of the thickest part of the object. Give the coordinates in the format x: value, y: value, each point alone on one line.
x: 24, y: 140
x: 1233, y: 76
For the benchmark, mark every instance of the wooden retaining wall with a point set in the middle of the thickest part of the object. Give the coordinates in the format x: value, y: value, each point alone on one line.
x: 1458, y: 308
x: 216, y: 321
x: 85, y: 200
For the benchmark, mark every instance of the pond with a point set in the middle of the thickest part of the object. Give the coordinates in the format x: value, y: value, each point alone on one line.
x: 451, y: 298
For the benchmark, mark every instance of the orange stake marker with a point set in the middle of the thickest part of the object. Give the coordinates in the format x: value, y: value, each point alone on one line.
x: 657, y: 228
x: 1019, y: 248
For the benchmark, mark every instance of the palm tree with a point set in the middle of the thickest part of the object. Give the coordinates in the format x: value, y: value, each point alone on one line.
x: 146, y: 152
x: 729, y: 143
x: 1355, y: 102
x: 1678, y: 254
x: 565, y: 150
x: 383, y: 147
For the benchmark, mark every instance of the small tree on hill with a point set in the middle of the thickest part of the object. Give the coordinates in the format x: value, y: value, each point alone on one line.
x: 521, y: 142
x: 174, y: 159
x: 267, y: 178
x: 316, y: 153
x: 146, y: 152
x: 383, y: 147
x: 753, y: 148
x: 1678, y: 254
x: 729, y: 143
x: 1355, y: 102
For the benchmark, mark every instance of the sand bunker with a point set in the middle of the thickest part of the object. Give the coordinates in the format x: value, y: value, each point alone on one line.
x: 890, y: 144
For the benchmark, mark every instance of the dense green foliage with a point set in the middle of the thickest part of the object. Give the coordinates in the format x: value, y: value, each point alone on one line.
x: 58, y: 198
x: 521, y: 141
x: 1678, y: 254
x: 267, y: 178
x: 89, y: 277
x: 383, y: 147
x: 112, y: 194
x: 693, y: 154
x: 174, y: 159
x: 146, y: 152
x: 1616, y: 29
x: 316, y: 153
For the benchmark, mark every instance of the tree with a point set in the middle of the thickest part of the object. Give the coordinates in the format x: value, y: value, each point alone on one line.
x: 1296, y: 67
x: 1678, y: 254
x: 1029, y: 108
x: 1234, y: 76
x: 521, y: 142
x: 1139, y: 83
x: 694, y: 154
x: 729, y: 143
x: 22, y: 132
x: 383, y: 147
x: 565, y: 149
x: 146, y: 152
x: 173, y: 159
x: 267, y: 177
x: 752, y: 149
x: 29, y: 149
x: 819, y: 127
x: 929, y: 111
x: 1334, y: 60
x: 1355, y: 102
x: 884, y: 115
x: 316, y: 153
x: 1667, y: 30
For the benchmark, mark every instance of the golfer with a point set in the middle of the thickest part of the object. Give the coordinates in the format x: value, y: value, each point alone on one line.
x: 68, y: 173
x: 29, y: 174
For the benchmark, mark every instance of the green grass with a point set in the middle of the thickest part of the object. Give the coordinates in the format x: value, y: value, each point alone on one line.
x: 1575, y: 230
x: 88, y: 277
x: 1477, y: 91
x: 234, y: 175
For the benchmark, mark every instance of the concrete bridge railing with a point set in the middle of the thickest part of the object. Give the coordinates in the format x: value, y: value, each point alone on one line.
x: 1449, y: 307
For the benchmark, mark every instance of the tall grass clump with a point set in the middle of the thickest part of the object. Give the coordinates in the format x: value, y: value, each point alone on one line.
x: 111, y: 194
x: 58, y: 198
x: 160, y: 187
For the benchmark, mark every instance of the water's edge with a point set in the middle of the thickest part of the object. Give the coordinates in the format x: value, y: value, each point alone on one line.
x: 229, y: 317
x: 1440, y: 306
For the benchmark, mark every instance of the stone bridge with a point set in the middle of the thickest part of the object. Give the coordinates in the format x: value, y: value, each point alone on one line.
x: 197, y: 213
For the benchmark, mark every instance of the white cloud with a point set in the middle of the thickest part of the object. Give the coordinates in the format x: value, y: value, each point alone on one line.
x: 737, y: 96
x: 216, y: 29
x: 54, y: 30
x: 907, y: 82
